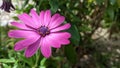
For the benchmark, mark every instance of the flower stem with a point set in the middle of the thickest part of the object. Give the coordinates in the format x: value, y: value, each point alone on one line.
x: 37, y: 59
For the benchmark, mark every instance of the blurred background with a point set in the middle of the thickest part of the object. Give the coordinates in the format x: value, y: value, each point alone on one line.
x: 95, y: 30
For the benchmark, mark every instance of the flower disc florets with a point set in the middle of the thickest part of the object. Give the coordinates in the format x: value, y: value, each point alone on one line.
x: 43, y: 31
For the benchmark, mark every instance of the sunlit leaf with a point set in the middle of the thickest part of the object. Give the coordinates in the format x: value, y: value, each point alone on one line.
x: 7, y: 60
x: 43, y: 61
x: 6, y: 66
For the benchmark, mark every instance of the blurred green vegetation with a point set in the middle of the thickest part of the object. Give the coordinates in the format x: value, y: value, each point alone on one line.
x: 85, y: 16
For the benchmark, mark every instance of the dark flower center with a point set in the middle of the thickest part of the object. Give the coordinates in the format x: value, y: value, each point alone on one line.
x: 43, y: 31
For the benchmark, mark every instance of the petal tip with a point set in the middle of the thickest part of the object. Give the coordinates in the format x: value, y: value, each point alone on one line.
x: 27, y: 55
x: 32, y: 9
x: 16, y: 49
x: 46, y: 51
x: 63, y: 18
x: 69, y: 25
x: 69, y: 35
x: 47, y: 56
x: 10, y: 33
x: 48, y: 11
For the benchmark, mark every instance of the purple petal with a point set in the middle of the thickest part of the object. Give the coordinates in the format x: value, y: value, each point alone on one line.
x: 20, y: 25
x: 22, y: 34
x: 52, y: 41
x: 47, y: 17
x: 54, y: 17
x: 25, y: 18
x: 64, y: 41
x: 65, y: 35
x: 45, y: 48
x: 57, y: 22
x: 41, y: 17
x: 61, y: 38
x: 64, y: 27
x: 31, y: 49
x: 24, y: 43
x: 35, y: 18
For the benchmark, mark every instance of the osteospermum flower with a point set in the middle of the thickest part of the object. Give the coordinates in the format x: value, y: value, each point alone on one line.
x: 7, y: 5
x: 40, y: 32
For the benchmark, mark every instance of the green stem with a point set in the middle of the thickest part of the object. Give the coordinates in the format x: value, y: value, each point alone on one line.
x: 37, y: 59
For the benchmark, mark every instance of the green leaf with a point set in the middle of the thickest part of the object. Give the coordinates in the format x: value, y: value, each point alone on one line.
x: 99, y: 2
x: 75, y: 35
x: 6, y: 66
x: 112, y: 2
x: 54, y: 5
x: 39, y: 5
x: 85, y: 28
x: 28, y: 8
x: 7, y: 60
x: 26, y: 60
x: 43, y: 61
x: 118, y: 2
x: 110, y: 12
x: 25, y: 3
x: 90, y: 1
x: 70, y: 53
x: 15, y: 64
x: 16, y: 18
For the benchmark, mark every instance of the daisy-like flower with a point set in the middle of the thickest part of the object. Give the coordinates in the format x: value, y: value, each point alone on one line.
x: 40, y: 32
x: 7, y: 5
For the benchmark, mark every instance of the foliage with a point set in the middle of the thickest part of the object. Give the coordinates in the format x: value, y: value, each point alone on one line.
x: 86, y: 17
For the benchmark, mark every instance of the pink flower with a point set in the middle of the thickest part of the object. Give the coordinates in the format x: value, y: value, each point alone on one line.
x: 40, y: 32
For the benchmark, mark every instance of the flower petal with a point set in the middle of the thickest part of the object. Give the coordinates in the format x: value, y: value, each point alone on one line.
x: 47, y: 17
x: 24, y: 43
x: 61, y: 38
x: 57, y: 22
x: 64, y: 27
x: 20, y: 25
x: 52, y: 42
x: 64, y: 41
x: 22, y: 34
x: 41, y: 17
x: 31, y: 49
x: 65, y: 35
x: 35, y: 18
x: 45, y: 48
x: 25, y: 18
x: 54, y: 17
